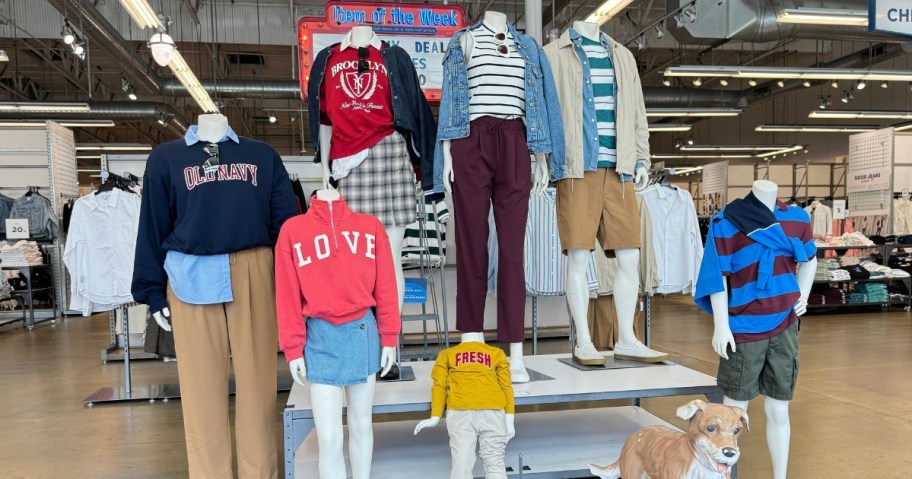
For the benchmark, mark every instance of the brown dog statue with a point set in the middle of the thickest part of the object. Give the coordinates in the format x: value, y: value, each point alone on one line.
x: 707, y: 450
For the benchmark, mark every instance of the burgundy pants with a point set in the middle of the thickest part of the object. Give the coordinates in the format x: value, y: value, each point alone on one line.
x: 491, y: 166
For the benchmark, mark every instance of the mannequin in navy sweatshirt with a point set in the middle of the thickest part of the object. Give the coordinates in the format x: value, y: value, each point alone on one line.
x: 213, y: 204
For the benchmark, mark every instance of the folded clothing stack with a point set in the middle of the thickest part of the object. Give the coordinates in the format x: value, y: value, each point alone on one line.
x: 876, y: 292
x: 839, y: 275
x: 21, y: 253
x: 848, y: 260
x: 876, y: 270
x: 834, y: 296
x: 857, y: 272
x: 816, y: 298
x: 847, y: 239
x: 854, y: 297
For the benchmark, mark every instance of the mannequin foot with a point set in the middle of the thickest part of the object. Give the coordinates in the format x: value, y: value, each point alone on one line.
x: 638, y: 352
x: 587, y: 355
x: 518, y: 373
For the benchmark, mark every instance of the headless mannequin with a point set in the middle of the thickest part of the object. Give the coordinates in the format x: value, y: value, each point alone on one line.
x: 627, y: 281
x: 435, y: 420
x: 328, y: 401
x: 361, y: 36
x: 778, y: 427
x: 211, y: 128
x: 497, y: 22
x: 904, y: 194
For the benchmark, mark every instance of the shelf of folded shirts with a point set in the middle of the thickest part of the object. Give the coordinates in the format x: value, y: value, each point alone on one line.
x: 870, y: 246
x: 897, y: 302
x: 868, y: 280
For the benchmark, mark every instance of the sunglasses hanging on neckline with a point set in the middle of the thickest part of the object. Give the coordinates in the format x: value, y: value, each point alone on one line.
x: 502, y: 47
x: 363, y: 66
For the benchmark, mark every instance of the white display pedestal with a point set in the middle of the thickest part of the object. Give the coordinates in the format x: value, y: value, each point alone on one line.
x: 569, y: 386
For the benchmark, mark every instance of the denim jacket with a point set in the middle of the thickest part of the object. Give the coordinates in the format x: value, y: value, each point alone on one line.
x: 544, y: 127
x: 412, y: 115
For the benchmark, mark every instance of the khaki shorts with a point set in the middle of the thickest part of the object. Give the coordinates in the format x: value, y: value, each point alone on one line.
x: 598, y: 206
x: 768, y: 367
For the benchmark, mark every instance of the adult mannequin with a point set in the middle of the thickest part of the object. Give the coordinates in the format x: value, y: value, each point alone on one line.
x: 496, y: 24
x: 626, y: 286
x: 724, y: 342
x: 488, y: 430
x: 206, y: 275
x: 211, y: 128
x: 339, y: 349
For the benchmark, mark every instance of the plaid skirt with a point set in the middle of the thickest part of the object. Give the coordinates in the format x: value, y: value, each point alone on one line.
x: 384, y: 185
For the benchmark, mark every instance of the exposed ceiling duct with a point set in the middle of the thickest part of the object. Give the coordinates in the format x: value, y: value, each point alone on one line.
x: 110, y: 110
x: 258, y: 89
x: 670, y: 97
x: 755, y: 21
x: 103, y: 35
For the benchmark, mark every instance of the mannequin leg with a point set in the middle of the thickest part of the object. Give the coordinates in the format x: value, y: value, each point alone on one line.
x: 626, y: 294
x: 518, y: 373
x: 578, y: 299
x: 778, y: 434
x: 396, y: 237
x: 327, y: 411
x: 360, y: 400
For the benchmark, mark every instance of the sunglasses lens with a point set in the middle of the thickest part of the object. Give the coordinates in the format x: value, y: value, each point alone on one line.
x: 502, y: 49
x: 500, y: 36
x: 362, y: 52
x: 362, y: 67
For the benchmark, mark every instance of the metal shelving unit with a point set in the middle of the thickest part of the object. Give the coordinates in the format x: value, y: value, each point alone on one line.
x: 885, y: 252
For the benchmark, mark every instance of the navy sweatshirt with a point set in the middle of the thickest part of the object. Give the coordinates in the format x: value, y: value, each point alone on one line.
x: 241, y: 206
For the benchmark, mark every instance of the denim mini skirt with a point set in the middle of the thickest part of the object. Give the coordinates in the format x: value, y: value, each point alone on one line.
x: 344, y: 354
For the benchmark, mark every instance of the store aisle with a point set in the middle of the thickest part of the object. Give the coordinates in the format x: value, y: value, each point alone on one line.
x: 851, y: 418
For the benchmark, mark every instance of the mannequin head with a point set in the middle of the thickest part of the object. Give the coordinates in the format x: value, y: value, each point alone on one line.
x: 328, y: 195
x: 904, y: 194
x: 361, y: 35
x: 212, y: 127
x: 473, y: 337
x: 495, y: 21
x: 589, y: 30
x: 765, y: 191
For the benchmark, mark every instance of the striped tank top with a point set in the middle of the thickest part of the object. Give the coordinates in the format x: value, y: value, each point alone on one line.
x: 496, y: 78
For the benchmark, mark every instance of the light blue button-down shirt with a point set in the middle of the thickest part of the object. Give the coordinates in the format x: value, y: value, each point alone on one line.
x: 590, y: 128
x: 197, y: 279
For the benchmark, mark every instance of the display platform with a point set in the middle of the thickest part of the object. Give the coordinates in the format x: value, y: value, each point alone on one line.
x: 570, y: 385
x: 586, y: 435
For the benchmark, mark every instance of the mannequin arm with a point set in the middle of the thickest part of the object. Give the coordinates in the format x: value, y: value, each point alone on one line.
x: 805, y: 282
x: 447, y: 165
x: 387, y: 359
x: 511, y: 428
x: 163, y: 318
x: 433, y: 421
x: 298, y: 370
x: 541, y: 174
x: 722, y: 335
x: 325, y: 141
x: 640, y: 177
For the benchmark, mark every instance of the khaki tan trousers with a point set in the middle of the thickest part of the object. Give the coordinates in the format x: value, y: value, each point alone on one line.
x: 209, y: 337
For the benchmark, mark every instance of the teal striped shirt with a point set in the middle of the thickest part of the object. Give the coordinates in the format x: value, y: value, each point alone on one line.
x: 602, y: 74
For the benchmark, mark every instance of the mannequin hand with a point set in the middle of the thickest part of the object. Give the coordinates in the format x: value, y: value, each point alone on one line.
x: 326, y: 175
x: 163, y: 318
x: 640, y: 179
x: 722, y: 337
x: 511, y: 429
x: 387, y: 359
x: 801, y: 306
x: 432, y: 422
x: 448, y: 176
x: 298, y: 370
x: 541, y: 174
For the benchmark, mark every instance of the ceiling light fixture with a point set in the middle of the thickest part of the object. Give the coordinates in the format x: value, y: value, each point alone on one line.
x: 834, y: 84
x: 78, y: 48
x: 665, y: 127
x: 660, y: 29
x: 690, y: 141
x: 43, y: 106
x: 748, y: 148
x: 640, y: 41
x: 723, y: 82
x: 162, y: 46
x: 788, y: 73
x: 697, y: 82
x: 66, y: 123
x: 67, y: 33
x: 769, y: 128
x: 780, y: 84
x: 780, y: 152
x: 806, y: 84
x: 3, y: 56
x: 273, y: 119
x: 113, y: 147
x: 664, y: 156
x: 823, y: 16
x: 666, y: 82
x: 603, y: 12
x: 692, y: 112
x: 884, y: 84
x: 752, y: 82
x: 191, y: 83
x: 861, y: 114
x: 162, y: 119
x: 679, y: 143
x: 861, y: 85
x: 142, y: 13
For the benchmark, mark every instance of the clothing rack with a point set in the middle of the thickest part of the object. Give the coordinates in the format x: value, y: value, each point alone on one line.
x: 126, y: 393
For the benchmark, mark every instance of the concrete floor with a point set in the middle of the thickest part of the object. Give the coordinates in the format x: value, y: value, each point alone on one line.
x: 851, y: 418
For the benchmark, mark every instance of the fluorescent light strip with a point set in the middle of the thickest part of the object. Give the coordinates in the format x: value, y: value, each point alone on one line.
x: 860, y: 115
x: 88, y: 157
x: 683, y: 170
x: 787, y: 73
x: 691, y: 112
x: 781, y: 152
x: 142, y: 13
x: 43, y: 106
x: 754, y: 148
x: 660, y: 127
x: 816, y: 128
x: 606, y: 10
x: 183, y: 73
x: 902, y: 126
x: 66, y: 123
x: 113, y: 147
x: 823, y: 16
x: 662, y: 156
